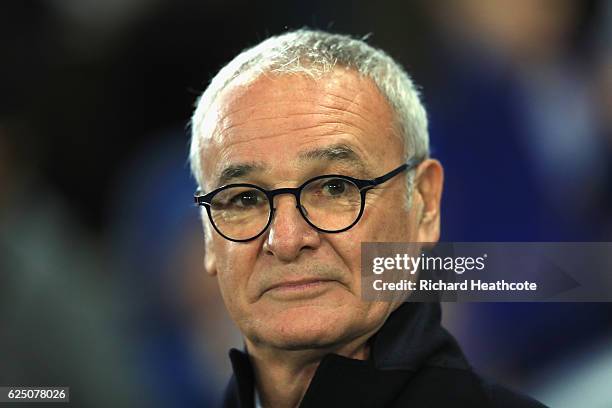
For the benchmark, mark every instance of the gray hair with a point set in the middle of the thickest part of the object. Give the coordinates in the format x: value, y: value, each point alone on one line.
x: 316, y: 53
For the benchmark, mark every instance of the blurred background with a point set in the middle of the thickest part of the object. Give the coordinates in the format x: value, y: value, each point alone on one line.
x: 102, y: 285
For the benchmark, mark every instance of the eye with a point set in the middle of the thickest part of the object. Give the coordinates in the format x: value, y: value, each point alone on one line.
x: 247, y: 199
x: 334, y: 187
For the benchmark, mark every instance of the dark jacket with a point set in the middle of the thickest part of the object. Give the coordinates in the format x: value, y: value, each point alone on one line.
x: 414, y: 362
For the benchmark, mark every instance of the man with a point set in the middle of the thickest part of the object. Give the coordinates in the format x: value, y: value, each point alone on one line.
x: 303, y: 147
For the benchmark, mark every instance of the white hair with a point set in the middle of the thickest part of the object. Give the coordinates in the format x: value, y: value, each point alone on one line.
x: 316, y: 53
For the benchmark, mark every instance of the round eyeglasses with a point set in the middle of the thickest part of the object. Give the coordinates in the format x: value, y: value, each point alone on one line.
x: 329, y: 203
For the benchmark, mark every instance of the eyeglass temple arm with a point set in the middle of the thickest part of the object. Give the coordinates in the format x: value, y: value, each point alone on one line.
x: 409, y: 165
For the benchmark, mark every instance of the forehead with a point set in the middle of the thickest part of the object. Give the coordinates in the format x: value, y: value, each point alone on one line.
x: 274, y: 119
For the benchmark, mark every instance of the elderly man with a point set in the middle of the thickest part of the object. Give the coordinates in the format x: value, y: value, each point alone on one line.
x: 304, y: 147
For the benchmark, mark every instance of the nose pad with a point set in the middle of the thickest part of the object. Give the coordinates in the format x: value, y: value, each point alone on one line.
x: 302, y: 210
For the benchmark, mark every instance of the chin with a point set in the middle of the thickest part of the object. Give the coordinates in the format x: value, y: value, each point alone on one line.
x: 306, y: 327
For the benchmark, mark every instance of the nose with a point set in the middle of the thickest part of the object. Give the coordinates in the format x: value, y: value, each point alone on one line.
x: 289, y: 234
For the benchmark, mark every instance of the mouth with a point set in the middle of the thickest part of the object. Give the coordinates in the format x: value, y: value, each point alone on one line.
x: 300, y: 288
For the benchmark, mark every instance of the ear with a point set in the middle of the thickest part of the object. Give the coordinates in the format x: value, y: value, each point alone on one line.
x: 210, y: 264
x: 210, y: 261
x: 428, y: 185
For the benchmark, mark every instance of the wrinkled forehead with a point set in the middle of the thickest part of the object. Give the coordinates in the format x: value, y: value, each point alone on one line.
x: 272, y: 122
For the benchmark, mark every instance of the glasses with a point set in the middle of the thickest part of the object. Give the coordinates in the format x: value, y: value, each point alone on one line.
x: 329, y: 203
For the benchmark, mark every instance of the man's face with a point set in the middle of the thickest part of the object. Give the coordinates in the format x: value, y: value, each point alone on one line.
x: 294, y: 287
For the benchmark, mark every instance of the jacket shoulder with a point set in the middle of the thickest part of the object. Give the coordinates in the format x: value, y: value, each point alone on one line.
x: 446, y: 387
x: 502, y: 397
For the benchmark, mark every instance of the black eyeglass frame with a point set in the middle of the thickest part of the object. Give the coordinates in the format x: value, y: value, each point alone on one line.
x: 363, y: 185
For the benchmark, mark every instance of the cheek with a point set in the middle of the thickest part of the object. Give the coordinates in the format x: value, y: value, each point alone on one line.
x: 377, y: 225
x: 348, y: 246
x: 234, y: 264
x: 386, y: 225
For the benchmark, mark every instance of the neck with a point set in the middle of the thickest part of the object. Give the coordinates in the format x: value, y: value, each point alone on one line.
x: 283, y: 376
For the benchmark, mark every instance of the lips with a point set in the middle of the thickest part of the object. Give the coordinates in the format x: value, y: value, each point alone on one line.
x: 298, y: 284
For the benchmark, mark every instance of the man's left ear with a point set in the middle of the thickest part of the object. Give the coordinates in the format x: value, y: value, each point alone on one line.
x: 429, y: 179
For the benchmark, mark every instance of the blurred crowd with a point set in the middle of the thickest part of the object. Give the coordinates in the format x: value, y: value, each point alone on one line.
x: 102, y: 286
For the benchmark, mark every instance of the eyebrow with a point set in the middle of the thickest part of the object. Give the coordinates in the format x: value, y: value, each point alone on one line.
x: 236, y: 171
x: 335, y: 153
